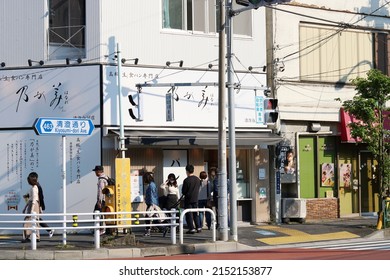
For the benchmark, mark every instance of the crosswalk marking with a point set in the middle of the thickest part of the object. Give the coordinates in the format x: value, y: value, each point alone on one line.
x: 297, y: 236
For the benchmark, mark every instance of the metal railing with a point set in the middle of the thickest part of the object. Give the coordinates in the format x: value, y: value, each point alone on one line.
x: 102, y: 220
x: 213, y: 221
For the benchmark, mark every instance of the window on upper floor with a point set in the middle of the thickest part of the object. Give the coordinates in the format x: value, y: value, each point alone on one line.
x: 334, y: 55
x: 66, y: 28
x: 200, y: 16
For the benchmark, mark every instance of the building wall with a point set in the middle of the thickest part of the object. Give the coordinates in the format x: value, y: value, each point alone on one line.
x: 135, y: 25
x: 322, y: 208
x: 22, y: 27
x: 140, y: 34
x: 306, y: 99
x: 314, y: 101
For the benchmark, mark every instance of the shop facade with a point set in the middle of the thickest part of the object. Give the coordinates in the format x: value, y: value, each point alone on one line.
x: 154, y: 142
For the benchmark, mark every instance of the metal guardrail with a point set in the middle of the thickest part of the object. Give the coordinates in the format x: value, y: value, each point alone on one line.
x: 135, y: 218
x: 213, y: 221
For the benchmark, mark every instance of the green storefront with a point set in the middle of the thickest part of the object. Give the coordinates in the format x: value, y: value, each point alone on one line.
x: 328, y: 167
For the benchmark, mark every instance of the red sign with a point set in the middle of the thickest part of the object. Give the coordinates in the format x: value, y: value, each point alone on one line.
x: 346, y: 119
x: 345, y: 130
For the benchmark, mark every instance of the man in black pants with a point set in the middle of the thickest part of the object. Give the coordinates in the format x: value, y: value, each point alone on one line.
x: 190, y: 190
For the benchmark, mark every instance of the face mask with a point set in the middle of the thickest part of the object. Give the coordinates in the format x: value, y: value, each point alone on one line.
x: 171, y: 181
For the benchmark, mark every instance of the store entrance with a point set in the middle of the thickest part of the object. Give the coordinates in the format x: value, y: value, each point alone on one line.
x: 369, y: 186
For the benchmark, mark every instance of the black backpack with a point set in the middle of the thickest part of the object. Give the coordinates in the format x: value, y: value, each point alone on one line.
x: 110, y: 181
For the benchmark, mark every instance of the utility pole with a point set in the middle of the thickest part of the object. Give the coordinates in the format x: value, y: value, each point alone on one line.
x: 232, y: 123
x: 122, y: 148
x: 222, y: 169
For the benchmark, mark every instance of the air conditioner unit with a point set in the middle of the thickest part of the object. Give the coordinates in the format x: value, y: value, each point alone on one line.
x: 294, y: 208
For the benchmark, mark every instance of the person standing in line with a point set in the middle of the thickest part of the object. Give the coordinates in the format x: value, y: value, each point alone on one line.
x: 172, y: 192
x: 204, y: 199
x: 32, y: 206
x: 151, y: 198
x: 190, y: 190
x: 100, y: 200
x: 41, y: 204
x: 214, y: 187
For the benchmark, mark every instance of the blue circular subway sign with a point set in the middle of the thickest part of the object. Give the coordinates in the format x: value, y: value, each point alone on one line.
x: 61, y: 126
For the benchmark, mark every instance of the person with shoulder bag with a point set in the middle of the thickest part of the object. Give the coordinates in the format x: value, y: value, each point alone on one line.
x: 32, y: 206
x: 101, y: 184
x: 204, y: 199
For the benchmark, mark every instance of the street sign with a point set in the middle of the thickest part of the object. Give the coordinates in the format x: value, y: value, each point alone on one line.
x: 60, y: 126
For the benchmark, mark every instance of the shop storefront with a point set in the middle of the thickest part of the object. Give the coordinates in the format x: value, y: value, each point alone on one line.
x: 171, y: 120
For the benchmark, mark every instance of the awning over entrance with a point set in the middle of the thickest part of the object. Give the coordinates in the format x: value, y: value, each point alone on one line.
x: 345, y: 130
x: 195, y: 138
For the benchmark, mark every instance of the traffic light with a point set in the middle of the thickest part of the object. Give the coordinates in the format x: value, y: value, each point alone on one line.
x: 259, y: 3
x: 135, y: 111
x: 247, y: 2
x: 271, y: 113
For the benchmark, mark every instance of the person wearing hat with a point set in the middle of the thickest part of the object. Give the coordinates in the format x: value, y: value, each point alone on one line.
x: 101, y: 184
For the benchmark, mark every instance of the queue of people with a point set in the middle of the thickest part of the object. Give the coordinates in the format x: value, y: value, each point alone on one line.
x: 197, y: 192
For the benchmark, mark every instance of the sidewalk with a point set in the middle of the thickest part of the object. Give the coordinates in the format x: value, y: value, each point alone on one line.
x: 250, y: 237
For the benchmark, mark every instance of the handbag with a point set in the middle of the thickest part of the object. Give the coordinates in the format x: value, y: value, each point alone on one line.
x: 210, y: 203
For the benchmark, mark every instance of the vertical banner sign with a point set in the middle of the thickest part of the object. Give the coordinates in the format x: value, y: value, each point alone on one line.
x: 278, y: 185
x: 123, y: 193
x: 259, y: 109
x: 169, y: 107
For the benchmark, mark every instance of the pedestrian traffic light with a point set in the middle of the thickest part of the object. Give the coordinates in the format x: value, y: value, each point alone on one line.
x: 271, y: 113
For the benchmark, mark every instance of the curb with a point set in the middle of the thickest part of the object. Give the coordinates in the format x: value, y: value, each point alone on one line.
x: 109, y: 253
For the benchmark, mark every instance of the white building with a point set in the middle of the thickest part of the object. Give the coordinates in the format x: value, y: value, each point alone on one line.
x: 77, y: 40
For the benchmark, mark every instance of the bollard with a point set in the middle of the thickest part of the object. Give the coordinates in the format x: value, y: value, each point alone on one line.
x: 75, y: 219
x: 136, y: 216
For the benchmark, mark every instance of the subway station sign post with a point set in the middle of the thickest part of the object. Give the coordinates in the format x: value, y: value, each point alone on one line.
x: 63, y: 127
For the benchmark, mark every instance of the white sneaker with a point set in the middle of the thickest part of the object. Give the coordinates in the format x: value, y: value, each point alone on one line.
x: 51, y: 233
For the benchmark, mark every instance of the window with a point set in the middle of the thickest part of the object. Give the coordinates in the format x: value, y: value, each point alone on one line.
x: 330, y: 55
x: 200, y: 16
x: 67, y: 25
